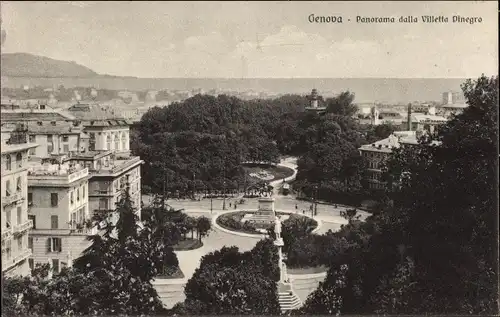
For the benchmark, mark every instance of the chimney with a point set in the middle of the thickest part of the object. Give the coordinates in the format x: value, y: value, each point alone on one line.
x: 409, y: 117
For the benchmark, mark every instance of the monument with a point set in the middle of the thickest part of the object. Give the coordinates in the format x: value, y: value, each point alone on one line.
x: 280, y: 243
x: 265, y: 215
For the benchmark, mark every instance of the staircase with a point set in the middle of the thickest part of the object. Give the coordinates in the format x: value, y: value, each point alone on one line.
x: 287, y: 298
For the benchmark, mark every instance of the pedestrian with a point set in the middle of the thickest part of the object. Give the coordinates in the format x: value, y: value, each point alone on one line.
x: 229, y: 204
x: 296, y: 207
x: 303, y: 212
x: 235, y: 206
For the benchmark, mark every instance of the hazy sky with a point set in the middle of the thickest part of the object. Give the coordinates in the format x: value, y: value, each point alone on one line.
x: 245, y: 39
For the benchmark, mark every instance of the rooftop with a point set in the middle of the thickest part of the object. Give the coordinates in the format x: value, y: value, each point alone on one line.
x: 96, y: 115
x: 420, y: 117
x: 17, y: 115
x: 455, y: 105
x: 119, y: 164
x: 89, y: 155
x: 45, y: 127
x: 55, y: 174
x: 12, y: 148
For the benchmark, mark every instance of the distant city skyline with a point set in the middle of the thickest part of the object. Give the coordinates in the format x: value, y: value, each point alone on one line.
x: 255, y: 39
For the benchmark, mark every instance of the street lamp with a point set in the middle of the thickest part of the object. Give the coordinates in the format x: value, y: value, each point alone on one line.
x: 316, y: 200
x: 224, y: 197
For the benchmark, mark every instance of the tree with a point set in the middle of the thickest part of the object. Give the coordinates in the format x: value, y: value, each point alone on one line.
x: 203, y: 226
x: 230, y: 282
x: 342, y: 104
x: 430, y: 249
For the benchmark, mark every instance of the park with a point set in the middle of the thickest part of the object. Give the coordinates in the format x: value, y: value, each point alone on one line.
x: 304, y: 280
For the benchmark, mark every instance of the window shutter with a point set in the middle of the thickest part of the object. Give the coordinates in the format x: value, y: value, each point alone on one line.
x: 49, y: 245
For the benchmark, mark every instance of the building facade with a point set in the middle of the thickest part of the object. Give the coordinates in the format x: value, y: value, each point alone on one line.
x: 111, y: 174
x: 14, y: 206
x: 59, y: 210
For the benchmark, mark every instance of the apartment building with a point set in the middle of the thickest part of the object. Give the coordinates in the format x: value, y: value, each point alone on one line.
x: 106, y: 130
x: 14, y: 206
x: 111, y: 175
x: 58, y: 208
x: 56, y: 133
x: 376, y: 154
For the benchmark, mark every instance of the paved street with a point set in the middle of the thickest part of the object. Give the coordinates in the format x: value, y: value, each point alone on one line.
x: 189, y: 260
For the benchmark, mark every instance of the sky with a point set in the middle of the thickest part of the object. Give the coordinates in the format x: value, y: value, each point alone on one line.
x: 256, y: 39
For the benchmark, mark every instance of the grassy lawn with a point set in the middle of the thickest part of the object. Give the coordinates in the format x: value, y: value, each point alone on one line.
x: 188, y: 244
x: 307, y: 270
x: 279, y: 172
x: 177, y: 274
x: 232, y: 221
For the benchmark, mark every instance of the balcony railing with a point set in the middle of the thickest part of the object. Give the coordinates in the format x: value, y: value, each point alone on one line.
x: 9, y: 261
x: 18, y: 229
x: 6, y: 234
x: 24, y: 255
x: 14, y: 197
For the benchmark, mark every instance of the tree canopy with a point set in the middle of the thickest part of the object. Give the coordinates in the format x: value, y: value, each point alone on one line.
x: 432, y: 248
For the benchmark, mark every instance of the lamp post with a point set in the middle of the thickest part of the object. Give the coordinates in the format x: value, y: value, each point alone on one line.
x: 194, y: 185
x: 316, y: 200
x: 224, y: 196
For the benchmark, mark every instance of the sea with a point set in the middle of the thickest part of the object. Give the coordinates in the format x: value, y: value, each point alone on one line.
x: 383, y: 90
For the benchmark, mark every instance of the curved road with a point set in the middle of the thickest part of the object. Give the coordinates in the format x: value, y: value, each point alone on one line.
x: 190, y: 260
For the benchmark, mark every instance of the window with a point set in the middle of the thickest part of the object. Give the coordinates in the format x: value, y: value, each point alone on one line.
x: 8, y: 218
x: 71, y: 200
x: 30, y: 199
x: 66, y: 148
x: 103, y: 203
x: 54, y: 199
x: 31, y: 263
x: 65, y: 138
x: 32, y: 139
x: 30, y: 243
x: 7, y: 188
x: 78, y: 194
x: 81, y: 214
x: 20, y: 244
x: 108, y: 142
x: 54, y: 222
x: 55, y: 265
x: 19, y: 215
x: 39, y: 123
x: 73, y: 218
x: 117, y: 144
x: 54, y: 245
x: 18, y: 187
x: 53, y: 123
x: 83, y: 192
x: 32, y: 218
x: 49, y: 137
x: 8, y: 162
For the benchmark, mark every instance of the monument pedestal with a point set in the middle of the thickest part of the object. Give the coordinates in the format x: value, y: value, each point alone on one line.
x: 266, y: 214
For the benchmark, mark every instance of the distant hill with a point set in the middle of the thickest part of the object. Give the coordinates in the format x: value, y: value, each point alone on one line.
x: 28, y: 65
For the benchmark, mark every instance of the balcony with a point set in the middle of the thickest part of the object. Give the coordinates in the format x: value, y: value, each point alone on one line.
x: 23, y: 256
x: 13, y: 198
x: 6, y: 234
x: 83, y: 228
x: 19, y: 229
x: 48, y: 178
x: 9, y: 261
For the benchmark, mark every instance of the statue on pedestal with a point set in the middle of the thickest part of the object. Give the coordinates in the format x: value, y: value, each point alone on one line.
x: 277, y: 227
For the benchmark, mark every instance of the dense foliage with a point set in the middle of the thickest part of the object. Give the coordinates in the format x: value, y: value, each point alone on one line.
x: 199, y: 144
x: 230, y: 282
x: 433, y: 247
x: 113, y: 275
